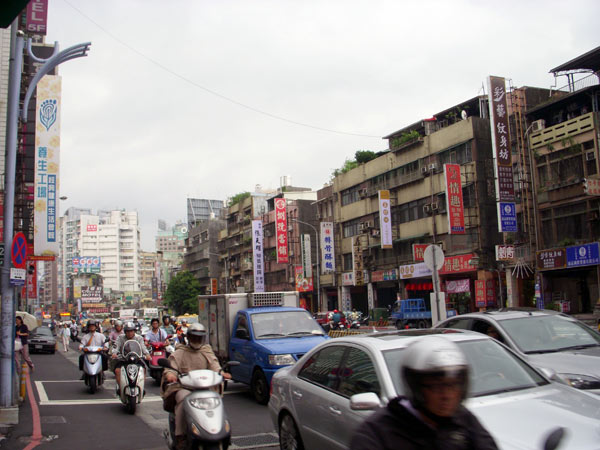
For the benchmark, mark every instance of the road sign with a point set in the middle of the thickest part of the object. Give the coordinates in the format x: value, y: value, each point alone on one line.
x: 18, y: 252
x: 433, y: 257
x: 17, y: 276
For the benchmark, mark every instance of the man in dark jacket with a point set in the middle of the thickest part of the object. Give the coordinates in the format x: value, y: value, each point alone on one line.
x: 431, y: 416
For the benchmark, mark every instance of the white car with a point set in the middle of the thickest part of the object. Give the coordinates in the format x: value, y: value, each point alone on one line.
x: 314, y: 403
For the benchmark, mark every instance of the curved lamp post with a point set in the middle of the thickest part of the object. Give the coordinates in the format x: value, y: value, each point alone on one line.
x: 7, y: 316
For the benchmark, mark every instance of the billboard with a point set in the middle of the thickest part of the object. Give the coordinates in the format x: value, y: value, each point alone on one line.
x: 281, y: 230
x: 47, y: 150
x: 37, y: 17
x: 87, y: 264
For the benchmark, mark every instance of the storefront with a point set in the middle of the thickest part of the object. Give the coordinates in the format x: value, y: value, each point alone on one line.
x: 385, y: 286
x: 569, y: 277
x: 353, y: 297
x: 459, y: 275
x: 417, y: 281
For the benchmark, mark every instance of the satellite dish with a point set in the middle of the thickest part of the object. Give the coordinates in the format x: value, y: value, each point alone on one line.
x: 463, y: 114
x: 183, y: 230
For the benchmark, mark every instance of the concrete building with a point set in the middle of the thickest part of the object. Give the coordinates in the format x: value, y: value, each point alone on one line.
x: 201, y: 257
x: 170, y: 246
x: 148, y: 262
x: 201, y: 209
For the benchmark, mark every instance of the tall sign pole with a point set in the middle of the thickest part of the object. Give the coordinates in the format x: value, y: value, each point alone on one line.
x: 434, y: 260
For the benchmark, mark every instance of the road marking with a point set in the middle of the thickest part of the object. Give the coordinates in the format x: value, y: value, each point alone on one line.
x: 36, y: 435
x: 98, y: 401
x: 41, y: 391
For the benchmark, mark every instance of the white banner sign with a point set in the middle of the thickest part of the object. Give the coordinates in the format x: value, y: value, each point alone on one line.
x: 47, y: 150
x: 327, y: 245
x: 419, y: 270
x: 385, y: 219
x: 257, y: 256
x: 306, y: 256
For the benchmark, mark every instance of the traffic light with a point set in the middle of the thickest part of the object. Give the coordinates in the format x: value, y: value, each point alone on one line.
x: 30, y: 269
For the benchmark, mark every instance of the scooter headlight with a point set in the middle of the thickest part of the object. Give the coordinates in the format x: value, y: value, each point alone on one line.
x: 132, y: 371
x: 93, y: 358
x: 205, y: 403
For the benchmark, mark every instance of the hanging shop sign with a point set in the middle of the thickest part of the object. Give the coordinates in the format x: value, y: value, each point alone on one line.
x: 454, y: 199
x: 327, y: 248
x: 419, y: 270
x: 457, y: 264
x: 583, y: 255
x: 555, y: 258
x: 384, y: 275
x: 306, y: 256
x: 458, y: 286
x: 303, y: 284
x: 385, y: 219
x: 257, y: 256
x: 419, y: 251
x: 281, y: 231
x: 507, y: 217
x: 348, y: 279
x: 505, y: 252
x: 357, y: 262
x: 480, y: 293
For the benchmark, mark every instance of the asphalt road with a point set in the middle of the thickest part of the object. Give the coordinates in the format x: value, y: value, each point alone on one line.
x: 71, y: 417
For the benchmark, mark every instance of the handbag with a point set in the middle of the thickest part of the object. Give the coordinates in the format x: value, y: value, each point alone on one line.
x: 18, y: 344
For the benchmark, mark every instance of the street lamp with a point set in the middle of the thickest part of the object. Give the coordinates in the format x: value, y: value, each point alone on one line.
x: 318, y: 261
x: 7, y: 315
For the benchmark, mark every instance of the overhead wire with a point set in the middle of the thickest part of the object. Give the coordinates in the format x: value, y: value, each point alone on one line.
x: 208, y: 90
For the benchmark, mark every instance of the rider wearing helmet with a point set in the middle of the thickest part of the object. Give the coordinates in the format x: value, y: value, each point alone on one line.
x: 435, y: 379
x: 129, y: 335
x: 92, y: 338
x: 196, y: 355
x: 116, y: 331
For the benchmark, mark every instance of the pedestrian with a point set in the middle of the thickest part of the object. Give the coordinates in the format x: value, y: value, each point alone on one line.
x: 22, y: 332
x: 435, y: 377
x: 66, y: 335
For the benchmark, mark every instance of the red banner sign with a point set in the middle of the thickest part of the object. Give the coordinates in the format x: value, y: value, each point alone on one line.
x: 419, y: 251
x: 92, y: 227
x: 457, y: 264
x: 454, y: 199
x: 480, y: 293
x: 303, y: 284
x: 490, y: 292
x: 281, y: 230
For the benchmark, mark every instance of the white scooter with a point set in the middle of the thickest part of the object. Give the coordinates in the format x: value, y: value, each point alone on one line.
x: 132, y: 377
x: 207, y: 426
x: 93, y: 376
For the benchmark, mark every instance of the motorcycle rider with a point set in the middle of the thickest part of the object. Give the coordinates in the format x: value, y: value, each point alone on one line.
x: 116, y: 331
x: 435, y: 375
x: 196, y: 355
x: 155, y: 334
x: 129, y: 329
x: 168, y: 326
x: 93, y: 338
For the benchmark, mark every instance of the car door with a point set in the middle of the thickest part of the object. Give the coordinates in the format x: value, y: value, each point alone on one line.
x: 240, y: 349
x: 313, y: 393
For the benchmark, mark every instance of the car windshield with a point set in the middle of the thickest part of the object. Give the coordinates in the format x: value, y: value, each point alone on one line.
x: 493, y: 369
x: 549, y: 333
x: 42, y: 331
x: 284, y: 324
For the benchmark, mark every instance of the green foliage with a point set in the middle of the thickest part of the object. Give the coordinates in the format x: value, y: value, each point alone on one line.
x: 182, y: 293
x: 405, y: 137
x: 237, y: 198
x: 364, y: 156
x: 349, y: 164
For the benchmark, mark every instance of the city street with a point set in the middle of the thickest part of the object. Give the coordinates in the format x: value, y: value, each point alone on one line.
x: 71, y: 417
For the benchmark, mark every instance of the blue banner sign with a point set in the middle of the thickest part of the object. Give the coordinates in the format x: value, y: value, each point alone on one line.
x: 508, y: 217
x: 583, y: 255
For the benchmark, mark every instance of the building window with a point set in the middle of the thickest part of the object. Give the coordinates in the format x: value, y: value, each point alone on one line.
x: 350, y: 195
x: 351, y: 228
x: 347, y: 261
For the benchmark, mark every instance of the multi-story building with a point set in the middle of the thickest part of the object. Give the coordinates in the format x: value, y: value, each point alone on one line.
x: 563, y: 141
x: 201, y: 209
x: 328, y: 284
x: 148, y: 262
x: 201, y: 257
x: 170, y: 245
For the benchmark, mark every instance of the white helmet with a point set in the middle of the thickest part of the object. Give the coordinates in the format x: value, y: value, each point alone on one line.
x: 197, y: 330
x: 432, y: 356
x: 129, y: 326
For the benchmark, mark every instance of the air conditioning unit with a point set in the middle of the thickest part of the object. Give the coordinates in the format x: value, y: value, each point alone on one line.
x: 441, y: 245
x: 432, y: 167
x: 424, y: 171
x: 363, y: 192
x: 375, y: 232
x: 427, y: 208
x: 318, y: 216
x: 268, y: 233
x: 590, y: 156
x: 538, y: 125
x: 434, y: 206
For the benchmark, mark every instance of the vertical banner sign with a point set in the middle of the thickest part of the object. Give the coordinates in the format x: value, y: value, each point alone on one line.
x: 454, y: 199
x: 306, y: 256
x: 385, y: 219
x: 214, y: 286
x: 32, y: 281
x: 357, y: 262
x: 480, y: 293
x: 37, y: 16
x: 327, y: 248
x: 257, y: 256
x: 505, y: 190
x: 281, y: 230
x: 47, y: 147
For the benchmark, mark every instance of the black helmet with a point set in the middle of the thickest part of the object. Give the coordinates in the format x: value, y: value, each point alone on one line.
x: 129, y: 326
x: 432, y: 356
x: 92, y: 322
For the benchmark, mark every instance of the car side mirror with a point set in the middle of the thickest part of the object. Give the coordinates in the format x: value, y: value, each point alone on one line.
x: 367, y: 401
x: 241, y: 333
x: 550, y: 374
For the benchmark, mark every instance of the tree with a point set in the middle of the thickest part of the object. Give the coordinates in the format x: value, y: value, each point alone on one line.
x: 364, y: 156
x: 182, y: 293
x: 237, y: 198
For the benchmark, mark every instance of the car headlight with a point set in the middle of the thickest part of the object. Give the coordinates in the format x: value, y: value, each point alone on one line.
x: 205, y: 403
x: 281, y: 360
x: 579, y: 381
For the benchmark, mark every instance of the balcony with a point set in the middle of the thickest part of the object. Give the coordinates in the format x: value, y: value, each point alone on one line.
x: 562, y: 131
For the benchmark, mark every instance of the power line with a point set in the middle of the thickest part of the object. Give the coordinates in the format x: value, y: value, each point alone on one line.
x: 210, y: 91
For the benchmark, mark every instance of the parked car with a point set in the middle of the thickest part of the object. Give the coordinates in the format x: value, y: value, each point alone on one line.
x: 49, y: 323
x: 41, y: 340
x: 547, y: 339
x: 314, y: 403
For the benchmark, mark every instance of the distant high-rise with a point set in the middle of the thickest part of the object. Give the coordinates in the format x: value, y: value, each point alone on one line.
x: 201, y: 209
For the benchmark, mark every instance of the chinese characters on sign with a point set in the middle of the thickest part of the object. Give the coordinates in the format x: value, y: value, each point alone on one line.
x: 551, y: 259
x: 507, y: 217
x: 457, y: 264
x: 384, y: 275
x: 90, y: 228
x: 454, y: 199
x: 357, y: 262
x: 385, y: 219
x: 281, y: 232
x: 505, y: 252
x: 257, y: 256
x: 47, y: 147
x: 480, y: 293
x: 419, y: 251
x: 86, y: 264
x: 327, y: 253
x: 583, y: 255
x: 592, y: 186
x: 306, y: 256
x: 490, y: 292
x: 303, y: 284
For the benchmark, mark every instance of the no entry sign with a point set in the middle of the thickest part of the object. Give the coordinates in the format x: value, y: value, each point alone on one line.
x: 18, y: 251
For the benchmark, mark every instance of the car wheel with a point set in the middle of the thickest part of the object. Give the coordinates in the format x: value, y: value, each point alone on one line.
x: 289, y: 437
x: 260, y: 387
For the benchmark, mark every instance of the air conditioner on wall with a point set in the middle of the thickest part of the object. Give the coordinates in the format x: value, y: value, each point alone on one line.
x: 538, y: 125
x: 427, y: 208
x: 363, y: 192
x: 434, y: 206
x: 424, y: 171
x: 590, y: 156
x: 432, y: 167
x: 375, y: 232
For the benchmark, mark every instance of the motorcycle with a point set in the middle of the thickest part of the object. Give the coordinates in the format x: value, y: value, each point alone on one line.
x: 207, y: 426
x: 93, y: 375
x: 158, y: 350
x: 132, y: 376
x: 74, y: 334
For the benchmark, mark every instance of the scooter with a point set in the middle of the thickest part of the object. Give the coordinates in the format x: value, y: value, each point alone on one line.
x: 158, y: 350
x: 93, y: 376
x: 132, y: 377
x: 74, y: 334
x: 207, y: 426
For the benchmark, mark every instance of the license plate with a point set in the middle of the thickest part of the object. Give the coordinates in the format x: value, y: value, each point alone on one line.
x: 158, y: 353
x: 38, y: 347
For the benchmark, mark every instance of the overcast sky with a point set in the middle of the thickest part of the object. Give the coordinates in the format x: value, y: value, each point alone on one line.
x: 185, y: 98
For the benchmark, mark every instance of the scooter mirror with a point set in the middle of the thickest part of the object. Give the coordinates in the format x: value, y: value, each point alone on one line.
x: 164, y: 362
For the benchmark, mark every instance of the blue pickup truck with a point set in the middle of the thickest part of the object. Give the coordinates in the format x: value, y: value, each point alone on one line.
x: 262, y: 331
x: 413, y: 313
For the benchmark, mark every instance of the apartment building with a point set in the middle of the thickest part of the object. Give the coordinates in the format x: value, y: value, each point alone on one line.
x: 148, y: 273
x: 201, y: 257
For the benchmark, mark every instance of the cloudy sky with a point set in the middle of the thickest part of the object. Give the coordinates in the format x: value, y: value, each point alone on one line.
x: 207, y: 98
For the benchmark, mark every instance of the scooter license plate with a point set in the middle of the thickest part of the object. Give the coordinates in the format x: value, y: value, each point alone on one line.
x: 158, y: 353
x: 38, y: 347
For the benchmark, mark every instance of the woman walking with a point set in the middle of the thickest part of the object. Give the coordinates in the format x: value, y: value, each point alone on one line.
x: 22, y: 332
x: 66, y: 335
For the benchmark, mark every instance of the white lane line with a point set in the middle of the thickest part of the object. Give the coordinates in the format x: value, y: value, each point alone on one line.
x: 41, y: 391
x: 98, y: 401
x: 58, y: 381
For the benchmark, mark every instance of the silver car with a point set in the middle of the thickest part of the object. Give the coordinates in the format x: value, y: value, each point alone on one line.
x: 563, y: 346
x: 319, y: 402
